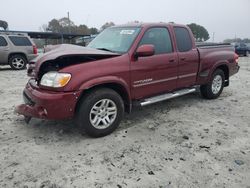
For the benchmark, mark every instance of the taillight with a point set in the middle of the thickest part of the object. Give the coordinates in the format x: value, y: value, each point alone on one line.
x: 236, y: 58
x: 34, y: 49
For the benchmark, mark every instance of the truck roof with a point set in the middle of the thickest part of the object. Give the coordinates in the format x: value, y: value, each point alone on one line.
x: 149, y: 24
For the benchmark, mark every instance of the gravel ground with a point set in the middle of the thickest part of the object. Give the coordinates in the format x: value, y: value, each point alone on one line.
x: 184, y: 142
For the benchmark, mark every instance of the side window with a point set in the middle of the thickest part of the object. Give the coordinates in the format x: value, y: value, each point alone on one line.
x: 183, y: 39
x: 20, y: 41
x: 160, y: 38
x: 3, y: 41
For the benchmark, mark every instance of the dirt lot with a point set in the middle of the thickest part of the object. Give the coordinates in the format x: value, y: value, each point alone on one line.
x: 185, y: 142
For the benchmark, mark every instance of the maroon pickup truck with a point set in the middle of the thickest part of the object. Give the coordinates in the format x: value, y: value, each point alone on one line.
x: 122, y: 67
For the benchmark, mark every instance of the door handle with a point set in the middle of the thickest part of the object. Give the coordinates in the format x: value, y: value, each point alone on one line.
x: 183, y: 59
x: 171, y: 61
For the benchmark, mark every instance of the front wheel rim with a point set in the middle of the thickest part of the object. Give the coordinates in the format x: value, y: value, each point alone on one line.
x: 18, y: 63
x: 103, y: 114
x: 217, y: 84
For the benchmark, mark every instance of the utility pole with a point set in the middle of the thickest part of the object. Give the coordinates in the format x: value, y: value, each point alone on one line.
x: 69, y: 23
x: 213, y: 36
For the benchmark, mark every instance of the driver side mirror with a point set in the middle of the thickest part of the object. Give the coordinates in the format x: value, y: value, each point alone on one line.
x: 145, y: 50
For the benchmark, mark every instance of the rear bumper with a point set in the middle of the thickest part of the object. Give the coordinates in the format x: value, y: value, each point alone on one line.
x: 46, y: 104
x: 234, y: 69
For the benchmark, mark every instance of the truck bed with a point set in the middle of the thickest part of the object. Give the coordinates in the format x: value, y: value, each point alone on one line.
x: 212, y: 45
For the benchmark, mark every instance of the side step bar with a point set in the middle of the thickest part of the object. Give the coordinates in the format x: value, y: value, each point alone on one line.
x: 167, y: 96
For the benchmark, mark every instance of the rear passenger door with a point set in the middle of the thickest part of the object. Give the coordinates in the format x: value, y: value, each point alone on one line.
x: 188, y: 58
x: 4, y: 50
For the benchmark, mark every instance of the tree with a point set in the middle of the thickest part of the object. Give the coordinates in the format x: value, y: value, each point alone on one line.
x: 93, y: 31
x: 106, y: 25
x: 55, y: 26
x: 65, y: 22
x: 199, y: 32
x: 64, y: 25
x: 4, y: 24
x: 83, y: 29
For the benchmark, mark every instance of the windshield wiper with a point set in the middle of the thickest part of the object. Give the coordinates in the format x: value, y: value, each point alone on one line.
x: 105, y: 49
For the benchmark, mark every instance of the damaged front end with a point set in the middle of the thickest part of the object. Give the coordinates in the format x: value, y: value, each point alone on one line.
x: 44, y: 104
x: 47, y: 100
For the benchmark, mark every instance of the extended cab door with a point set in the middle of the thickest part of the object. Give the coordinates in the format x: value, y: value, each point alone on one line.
x: 188, y: 57
x: 4, y: 50
x: 158, y: 73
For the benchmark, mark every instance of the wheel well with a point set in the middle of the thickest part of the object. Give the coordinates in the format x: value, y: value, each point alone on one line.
x: 225, y: 69
x: 114, y: 86
x: 18, y: 53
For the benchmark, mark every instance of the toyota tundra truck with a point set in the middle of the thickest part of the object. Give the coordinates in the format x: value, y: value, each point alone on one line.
x: 123, y: 67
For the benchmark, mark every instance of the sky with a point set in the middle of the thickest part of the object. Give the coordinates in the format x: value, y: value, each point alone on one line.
x: 222, y: 18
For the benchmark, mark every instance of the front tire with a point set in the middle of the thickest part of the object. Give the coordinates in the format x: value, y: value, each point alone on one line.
x: 213, y: 89
x: 100, y: 112
x: 18, y: 62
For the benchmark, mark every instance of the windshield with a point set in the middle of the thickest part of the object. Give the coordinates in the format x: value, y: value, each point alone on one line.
x: 115, y: 39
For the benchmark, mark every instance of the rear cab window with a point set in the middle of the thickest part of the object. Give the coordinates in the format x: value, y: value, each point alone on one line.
x: 160, y: 38
x: 3, y: 42
x: 183, y: 39
x: 20, y: 41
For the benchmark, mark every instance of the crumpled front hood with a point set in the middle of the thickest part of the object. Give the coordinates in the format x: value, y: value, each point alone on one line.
x: 68, y: 50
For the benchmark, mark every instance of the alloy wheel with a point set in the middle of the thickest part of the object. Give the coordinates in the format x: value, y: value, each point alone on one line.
x: 18, y: 63
x: 217, y: 84
x: 103, y: 114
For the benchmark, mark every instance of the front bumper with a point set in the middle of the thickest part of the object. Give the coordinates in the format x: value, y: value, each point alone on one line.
x: 47, y: 104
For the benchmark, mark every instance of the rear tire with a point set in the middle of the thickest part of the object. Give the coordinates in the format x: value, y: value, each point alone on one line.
x: 213, y: 89
x: 100, y: 112
x: 18, y: 62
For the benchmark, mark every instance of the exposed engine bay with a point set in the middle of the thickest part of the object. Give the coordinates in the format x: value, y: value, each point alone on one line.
x: 64, y: 55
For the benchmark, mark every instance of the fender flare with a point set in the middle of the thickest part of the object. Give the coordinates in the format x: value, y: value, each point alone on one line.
x: 106, y: 80
x: 215, y: 66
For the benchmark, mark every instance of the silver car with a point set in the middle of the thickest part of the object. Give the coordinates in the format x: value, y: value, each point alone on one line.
x: 16, y: 50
